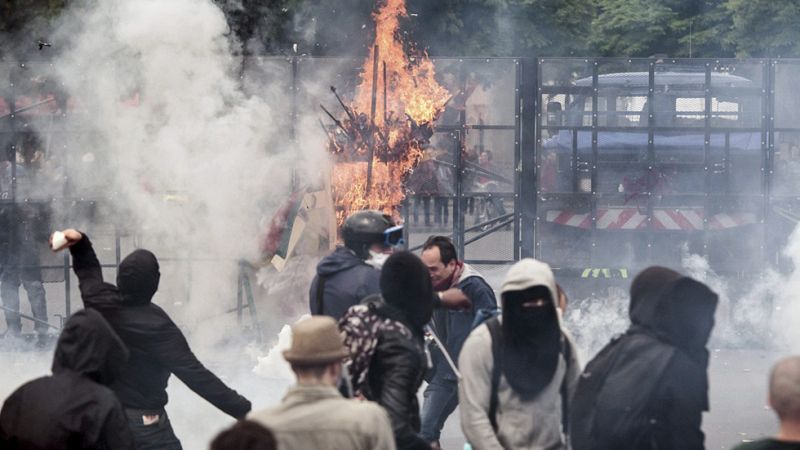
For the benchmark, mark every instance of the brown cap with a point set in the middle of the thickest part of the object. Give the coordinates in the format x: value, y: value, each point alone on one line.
x: 316, y: 341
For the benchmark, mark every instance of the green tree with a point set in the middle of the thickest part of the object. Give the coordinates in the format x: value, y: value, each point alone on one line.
x: 765, y: 28
x: 502, y: 27
x: 674, y: 27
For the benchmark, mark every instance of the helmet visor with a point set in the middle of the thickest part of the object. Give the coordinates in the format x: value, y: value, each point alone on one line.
x: 393, y: 237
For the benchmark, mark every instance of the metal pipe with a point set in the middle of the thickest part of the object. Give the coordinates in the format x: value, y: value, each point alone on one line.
x: 25, y: 316
x: 371, y: 154
x: 439, y: 344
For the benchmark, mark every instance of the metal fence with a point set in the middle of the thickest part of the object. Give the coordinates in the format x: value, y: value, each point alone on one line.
x: 642, y: 161
x: 605, y: 164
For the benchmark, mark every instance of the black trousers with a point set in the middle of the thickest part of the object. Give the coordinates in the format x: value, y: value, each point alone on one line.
x: 150, y: 433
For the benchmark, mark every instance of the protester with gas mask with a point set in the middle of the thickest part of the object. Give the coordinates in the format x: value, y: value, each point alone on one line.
x: 648, y: 388
x: 385, y: 339
x: 157, y: 346
x: 351, y: 273
x: 452, y: 326
x: 519, y: 369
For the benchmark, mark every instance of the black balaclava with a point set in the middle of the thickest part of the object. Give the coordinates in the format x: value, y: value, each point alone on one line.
x: 532, y: 341
x: 137, y: 277
x: 406, y: 286
x: 687, y: 318
x: 646, y: 292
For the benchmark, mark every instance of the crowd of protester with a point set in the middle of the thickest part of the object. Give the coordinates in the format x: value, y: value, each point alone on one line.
x: 384, y: 321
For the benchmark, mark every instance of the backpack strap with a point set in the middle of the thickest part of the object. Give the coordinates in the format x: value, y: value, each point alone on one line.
x: 567, y: 352
x: 321, y: 279
x: 496, y: 334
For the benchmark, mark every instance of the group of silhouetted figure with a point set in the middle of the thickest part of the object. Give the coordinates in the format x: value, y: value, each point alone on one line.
x: 384, y: 321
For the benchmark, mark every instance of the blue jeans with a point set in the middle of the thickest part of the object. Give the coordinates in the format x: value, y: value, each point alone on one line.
x: 441, y: 399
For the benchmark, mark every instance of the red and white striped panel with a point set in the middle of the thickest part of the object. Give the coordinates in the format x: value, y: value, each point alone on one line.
x: 689, y: 219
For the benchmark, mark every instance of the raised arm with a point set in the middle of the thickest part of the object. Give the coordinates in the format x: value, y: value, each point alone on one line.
x: 94, y: 292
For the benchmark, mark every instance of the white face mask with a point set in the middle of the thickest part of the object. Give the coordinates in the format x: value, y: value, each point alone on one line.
x: 377, y: 259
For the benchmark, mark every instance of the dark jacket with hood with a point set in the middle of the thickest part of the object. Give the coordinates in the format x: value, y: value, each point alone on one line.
x: 157, y: 346
x: 73, y: 408
x: 663, y: 355
x: 399, y: 363
x: 347, y: 280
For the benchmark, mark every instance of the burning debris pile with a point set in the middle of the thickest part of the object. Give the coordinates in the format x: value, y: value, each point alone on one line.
x: 382, y: 135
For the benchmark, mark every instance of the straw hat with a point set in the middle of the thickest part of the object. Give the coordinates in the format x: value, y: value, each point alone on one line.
x: 315, y: 341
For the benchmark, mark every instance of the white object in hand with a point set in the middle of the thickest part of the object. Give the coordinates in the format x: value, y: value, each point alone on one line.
x: 59, y: 241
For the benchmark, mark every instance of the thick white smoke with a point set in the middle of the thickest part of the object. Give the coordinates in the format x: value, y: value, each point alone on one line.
x: 174, y: 142
x: 170, y: 139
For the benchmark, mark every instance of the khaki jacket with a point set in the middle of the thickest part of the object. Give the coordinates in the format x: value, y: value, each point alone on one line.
x: 318, y: 417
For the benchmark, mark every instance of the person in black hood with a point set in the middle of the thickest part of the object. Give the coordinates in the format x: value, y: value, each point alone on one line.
x: 158, y: 348
x: 73, y: 408
x: 398, y: 364
x: 663, y: 355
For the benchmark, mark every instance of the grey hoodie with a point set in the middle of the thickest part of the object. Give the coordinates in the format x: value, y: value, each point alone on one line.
x: 535, y: 424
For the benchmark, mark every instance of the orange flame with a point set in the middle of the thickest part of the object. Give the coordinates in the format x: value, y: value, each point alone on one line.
x: 398, y: 133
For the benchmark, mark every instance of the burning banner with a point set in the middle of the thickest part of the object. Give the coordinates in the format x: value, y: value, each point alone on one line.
x: 384, y: 132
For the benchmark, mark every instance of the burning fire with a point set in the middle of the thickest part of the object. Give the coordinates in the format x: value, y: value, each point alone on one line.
x: 390, y: 121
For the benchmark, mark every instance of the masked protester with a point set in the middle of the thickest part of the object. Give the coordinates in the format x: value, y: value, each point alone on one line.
x: 663, y: 355
x: 519, y: 370
x: 385, y: 338
x: 73, y: 408
x: 348, y: 275
x: 451, y: 326
x: 158, y: 347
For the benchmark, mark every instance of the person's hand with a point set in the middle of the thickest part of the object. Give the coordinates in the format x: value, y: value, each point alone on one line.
x: 64, y: 239
x: 454, y: 298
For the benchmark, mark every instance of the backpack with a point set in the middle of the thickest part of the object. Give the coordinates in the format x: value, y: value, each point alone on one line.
x: 604, y: 400
x: 362, y: 327
x: 496, y: 333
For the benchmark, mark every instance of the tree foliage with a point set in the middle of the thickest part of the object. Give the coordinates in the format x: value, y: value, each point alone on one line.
x: 766, y: 28
x: 681, y: 28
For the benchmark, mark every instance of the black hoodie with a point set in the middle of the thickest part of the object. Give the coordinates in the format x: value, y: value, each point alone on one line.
x: 648, y: 388
x: 73, y: 408
x: 157, y: 346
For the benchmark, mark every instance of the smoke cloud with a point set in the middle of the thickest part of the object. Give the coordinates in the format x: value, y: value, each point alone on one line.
x: 190, y: 158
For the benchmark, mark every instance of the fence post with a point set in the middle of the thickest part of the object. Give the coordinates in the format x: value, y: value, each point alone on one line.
x: 526, y: 188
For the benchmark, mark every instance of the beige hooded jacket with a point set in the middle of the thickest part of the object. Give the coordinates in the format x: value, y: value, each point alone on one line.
x: 525, y: 425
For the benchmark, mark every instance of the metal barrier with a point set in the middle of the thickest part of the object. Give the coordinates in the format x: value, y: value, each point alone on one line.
x: 584, y: 163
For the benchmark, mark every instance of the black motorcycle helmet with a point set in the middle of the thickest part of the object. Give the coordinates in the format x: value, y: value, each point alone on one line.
x: 365, y: 228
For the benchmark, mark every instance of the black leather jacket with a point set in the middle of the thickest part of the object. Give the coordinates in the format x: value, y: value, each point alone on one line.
x: 395, y: 376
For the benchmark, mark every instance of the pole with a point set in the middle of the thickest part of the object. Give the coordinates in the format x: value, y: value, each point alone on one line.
x: 385, y: 83
x: 371, y: 154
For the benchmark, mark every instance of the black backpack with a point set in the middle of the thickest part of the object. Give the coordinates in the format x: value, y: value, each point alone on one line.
x: 605, y: 399
x: 496, y: 332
